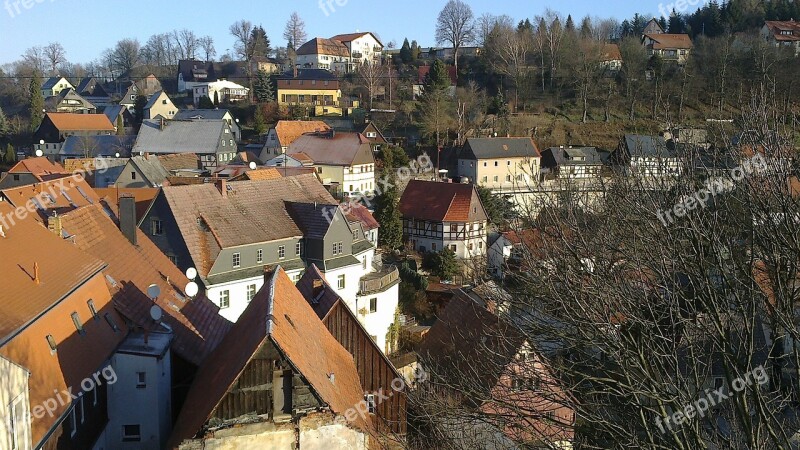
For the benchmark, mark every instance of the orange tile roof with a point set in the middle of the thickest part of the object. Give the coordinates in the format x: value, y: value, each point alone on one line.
x: 267, y: 173
x: 40, y: 167
x: 281, y: 316
x: 197, y: 325
x: 179, y: 161
x: 59, y: 195
x: 441, y: 202
x: 289, y: 130
x: 610, y: 52
x: 670, y: 41
x: 82, y: 122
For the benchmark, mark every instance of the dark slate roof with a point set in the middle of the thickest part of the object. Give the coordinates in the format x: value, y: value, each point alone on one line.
x: 311, y: 218
x: 309, y: 74
x: 90, y: 87
x: 181, y: 136
x: 493, y: 148
x: 647, y: 146
x: 54, y: 101
x: 113, y: 111
x: 151, y: 169
x: 106, y: 145
x: 203, y: 114
x: 51, y: 82
x: 577, y: 156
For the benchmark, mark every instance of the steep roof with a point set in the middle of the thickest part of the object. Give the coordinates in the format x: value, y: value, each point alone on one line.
x: 179, y: 161
x: 647, y: 146
x: 151, y: 169
x: 51, y: 82
x: 181, y: 136
x: 349, y: 37
x: 68, y: 93
x: 155, y: 98
x: 82, y: 122
x: 359, y: 213
x: 573, y: 156
x: 311, y: 218
x: 492, y: 148
x: 322, y: 46
x: 610, y: 52
x: 777, y: 26
x: 197, y: 325
x: 90, y: 87
x: 103, y: 145
x: 666, y: 41
x: 343, y: 149
x: 251, y: 212
x: 279, y: 315
x: 441, y: 202
x: 39, y: 167
x: 62, y: 268
x: 58, y: 195
x: 144, y: 197
x: 201, y: 114
x: 289, y: 130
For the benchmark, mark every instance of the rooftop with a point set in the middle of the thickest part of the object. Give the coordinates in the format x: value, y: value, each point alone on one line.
x: 441, y: 202
x: 336, y: 149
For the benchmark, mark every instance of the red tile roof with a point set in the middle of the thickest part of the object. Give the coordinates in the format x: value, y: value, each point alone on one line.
x: 281, y: 316
x: 40, y: 167
x: 322, y: 46
x: 670, y: 41
x: 441, y: 202
x: 81, y: 122
x: 197, y: 325
x: 359, y: 213
x: 58, y: 195
x: 144, y: 197
x: 266, y: 173
x: 289, y: 130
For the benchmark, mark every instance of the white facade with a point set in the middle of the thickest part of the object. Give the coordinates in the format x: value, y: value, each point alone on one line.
x: 359, y: 178
x: 238, y: 293
x: 327, y: 62
x: 365, y: 49
x: 502, y: 174
x: 656, y: 167
x: 223, y: 90
x: 141, y: 398
x: 15, y: 417
x: 498, y: 254
x: 466, y: 240
x: 377, y: 312
x: 349, y: 276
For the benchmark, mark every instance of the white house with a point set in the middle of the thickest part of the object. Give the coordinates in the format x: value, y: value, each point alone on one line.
x: 54, y: 85
x: 15, y: 417
x: 345, y: 159
x: 500, y: 164
x: 647, y: 156
x: 223, y: 90
x: 363, y: 47
x: 444, y: 215
x: 321, y: 53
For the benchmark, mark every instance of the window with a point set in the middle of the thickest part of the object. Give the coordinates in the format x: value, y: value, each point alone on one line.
x: 110, y: 322
x: 224, y: 299
x: 355, y: 234
x: 508, y: 163
x: 454, y: 248
x: 341, y: 248
x: 141, y: 380
x: 51, y: 342
x: 495, y: 178
x: 340, y: 282
x: 471, y: 246
x: 237, y: 260
x: 433, y: 246
x: 76, y: 320
x: 485, y: 179
x: 373, y: 305
x: 92, y: 309
x: 281, y: 252
x: 156, y: 227
x: 335, y: 248
x: 485, y: 164
x: 259, y: 256
x: 251, y: 292
x: 133, y: 175
x: 131, y: 433
x: 298, y: 248
x: 369, y: 399
x: 508, y: 178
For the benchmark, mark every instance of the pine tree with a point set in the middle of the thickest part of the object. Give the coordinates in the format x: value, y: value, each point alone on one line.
x: 260, y: 121
x: 5, y: 128
x: 216, y: 99
x: 11, y: 155
x: 675, y: 23
x: 405, y: 52
x: 438, y: 77
x: 138, y: 108
x: 387, y: 213
x: 263, y: 88
x: 36, y: 108
x: 415, y: 51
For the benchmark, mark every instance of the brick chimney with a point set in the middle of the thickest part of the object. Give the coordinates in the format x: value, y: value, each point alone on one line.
x: 222, y: 187
x: 127, y: 218
x: 54, y: 224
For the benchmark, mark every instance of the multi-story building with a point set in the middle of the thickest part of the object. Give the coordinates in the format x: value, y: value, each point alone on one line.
x: 343, y: 159
x: 286, y: 132
x: 57, y: 127
x: 363, y: 47
x: 327, y: 54
x: 783, y: 34
x: 222, y: 91
x: 54, y: 85
x: 567, y: 163
x: 437, y: 216
x: 500, y: 164
x: 670, y: 47
x: 317, y: 90
x: 214, y: 141
x: 647, y: 156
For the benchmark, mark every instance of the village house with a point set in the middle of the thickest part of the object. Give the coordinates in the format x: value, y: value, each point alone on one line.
x: 438, y: 216
x: 57, y: 127
x: 343, y: 159
x: 160, y: 106
x: 281, y: 370
x: 317, y: 90
x: 285, y: 132
x: 54, y: 85
x: 363, y: 48
x: 192, y: 72
x: 69, y: 101
x: 647, y: 156
x: 103, y: 146
x: 571, y: 163
x: 670, y: 47
x: 321, y: 53
x: 783, y: 34
x: 611, y: 58
x: 213, y: 141
x: 146, y: 87
x: 500, y: 164
x: 30, y: 171
x: 92, y: 90
x: 418, y: 87
x: 222, y: 91
x: 375, y: 136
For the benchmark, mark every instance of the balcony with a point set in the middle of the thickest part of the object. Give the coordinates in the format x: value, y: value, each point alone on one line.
x: 379, y: 281
x: 358, y: 55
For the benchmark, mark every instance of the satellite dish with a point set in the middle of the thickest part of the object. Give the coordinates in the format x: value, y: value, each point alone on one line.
x: 116, y: 155
x: 153, y: 291
x: 156, y: 313
x: 253, y: 165
x: 191, y: 273
x: 39, y: 153
x: 192, y: 289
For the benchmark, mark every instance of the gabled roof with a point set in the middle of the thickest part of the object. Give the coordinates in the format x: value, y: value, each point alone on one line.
x: 349, y: 37
x: 312, y: 218
x: 776, y: 27
x: 289, y: 130
x: 81, y: 122
x: 90, y: 87
x: 151, y: 169
x: 670, y: 41
x: 51, y: 82
x: 310, y: 74
x: 572, y: 156
x: 277, y: 315
x: 359, y: 213
x: 179, y: 161
x: 610, y: 52
x: 379, y: 139
x: 265, y: 173
x: 197, y: 325
x: 60, y: 195
x: 144, y: 197
x: 441, y: 202
x: 201, y: 114
x: 102, y: 145
x: 61, y: 267
x: 39, y: 167
x: 251, y: 212
x: 647, y: 146
x: 493, y: 148
x: 181, y: 136
x: 155, y: 98
x: 114, y: 111
x: 342, y: 149
x: 68, y: 93
x: 322, y: 46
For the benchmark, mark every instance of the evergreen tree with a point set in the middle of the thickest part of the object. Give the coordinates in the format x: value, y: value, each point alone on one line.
x: 205, y: 103
x: 138, y: 108
x: 10, y: 156
x: 260, y: 120
x: 120, y: 126
x: 5, y: 128
x: 415, y: 51
x: 569, y: 26
x: 662, y: 22
x: 442, y: 264
x: 36, y: 108
x: 586, y: 28
x: 499, y: 209
x: 387, y: 213
x: 675, y: 23
x: 216, y: 99
x: 405, y: 52
x: 263, y: 87
x: 438, y: 77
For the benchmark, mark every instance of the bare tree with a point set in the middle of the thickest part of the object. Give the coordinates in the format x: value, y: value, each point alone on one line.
x: 55, y: 56
x: 508, y: 49
x: 455, y: 25
x: 242, y: 32
x: 125, y: 55
x: 371, y: 76
x: 186, y: 43
x: 207, y: 45
x: 295, y: 31
x: 555, y: 36
x: 35, y: 58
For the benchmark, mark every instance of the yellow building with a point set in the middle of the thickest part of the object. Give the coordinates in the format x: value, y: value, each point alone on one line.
x: 317, y: 89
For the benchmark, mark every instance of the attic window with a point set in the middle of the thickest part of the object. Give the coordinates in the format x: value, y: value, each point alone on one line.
x: 76, y: 320
x: 289, y: 319
x: 51, y: 342
x: 92, y: 309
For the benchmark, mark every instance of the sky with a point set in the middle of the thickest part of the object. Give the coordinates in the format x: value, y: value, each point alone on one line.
x: 87, y: 27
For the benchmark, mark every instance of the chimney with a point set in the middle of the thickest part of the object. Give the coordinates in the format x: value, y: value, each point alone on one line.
x: 295, y: 69
x: 127, y: 218
x: 162, y: 124
x: 54, y: 224
x: 222, y: 186
x: 36, y: 272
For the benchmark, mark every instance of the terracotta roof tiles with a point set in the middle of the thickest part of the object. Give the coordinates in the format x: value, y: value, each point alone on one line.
x: 83, y: 122
x: 441, y: 202
x: 289, y: 130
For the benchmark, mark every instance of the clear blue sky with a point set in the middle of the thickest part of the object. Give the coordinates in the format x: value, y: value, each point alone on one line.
x: 86, y: 27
